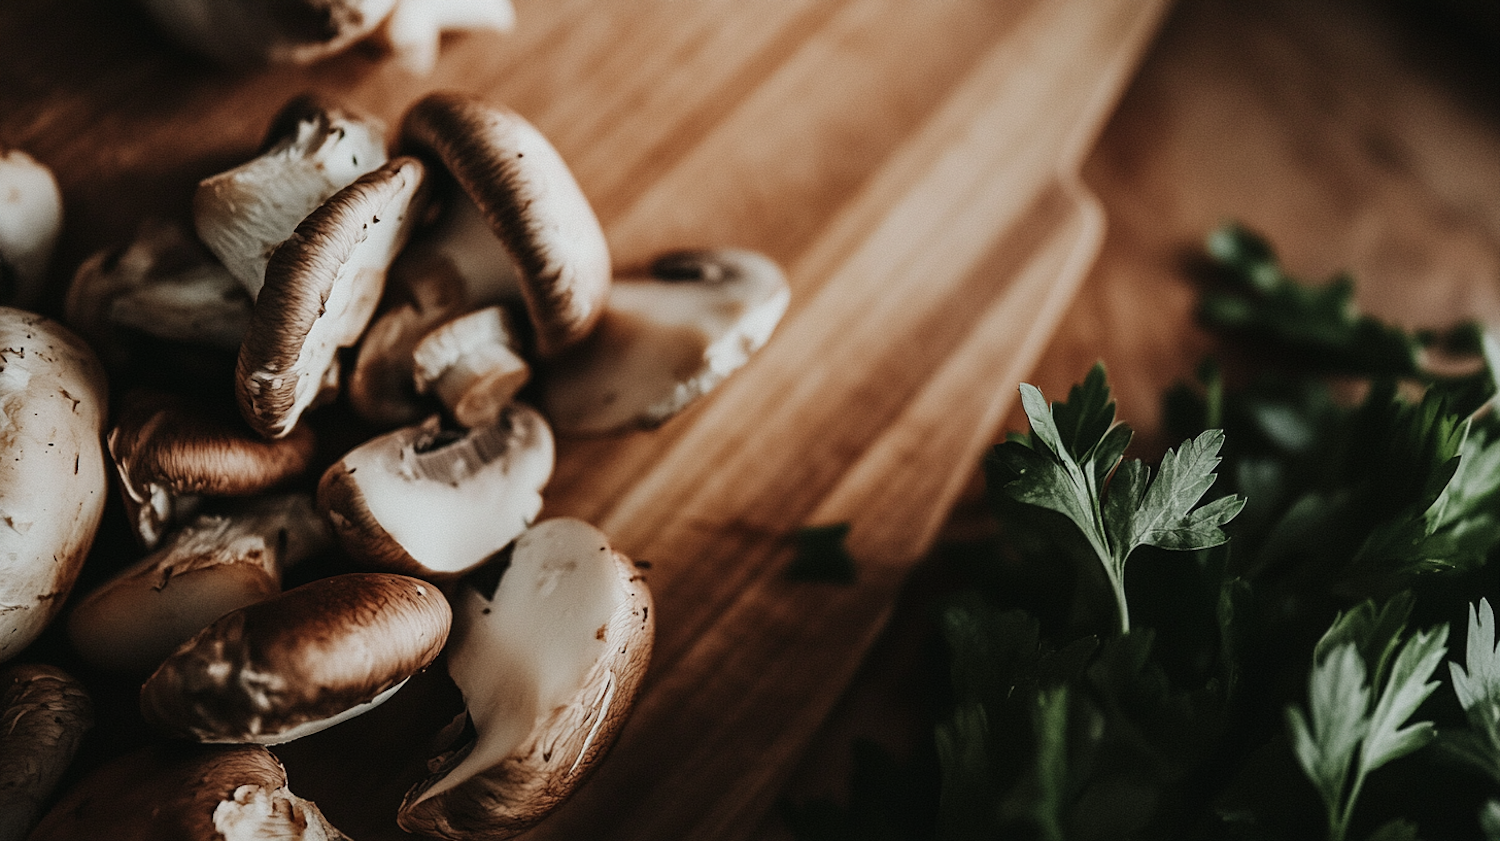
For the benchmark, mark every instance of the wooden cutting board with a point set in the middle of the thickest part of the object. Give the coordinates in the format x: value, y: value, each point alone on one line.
x: 912, y: 166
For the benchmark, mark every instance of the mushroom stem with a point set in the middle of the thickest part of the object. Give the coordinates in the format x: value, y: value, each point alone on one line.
x: 472, y: 363
x: 30, y: 222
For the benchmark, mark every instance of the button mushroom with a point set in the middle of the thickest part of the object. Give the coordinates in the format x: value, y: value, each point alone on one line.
x: 312, y: 150
x: 44, y: 714
x: 435, y: 503
x: 241, y: 33
x: 531, y: 201
x: 30, y: 221
x: 665, y: 340
x: 177, y: 792
x: 53, y: 404
x: 214, y: 564
x: 298, y: 662
x: 169, y: 452
x: 473, y: 364
x: 322, y: 287
x: 549, y: 667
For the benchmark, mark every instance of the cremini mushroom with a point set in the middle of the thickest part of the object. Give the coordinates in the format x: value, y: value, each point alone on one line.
x: 322, y: 287
x: 30, y: 221
x: 473, y: 364
x: 433, y: 502
x: 531, y: 201
x: 665, y: 340
x: 241, y: 33
x: 549, y: 666
x: 161, y: 290
x: 44, y: 714
x: 169, y: 452
x: 53, y: 405
x: 300, y: 661
x: 214, y: 564
x: 185, y: 792
x: 311, y: 151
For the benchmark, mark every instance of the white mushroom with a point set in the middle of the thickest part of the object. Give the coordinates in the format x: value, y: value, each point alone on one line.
x: 312, y: 150
x: 30, y: 221
x: 435, y: 503
x: 473, y: 364
x: 415, y: 27
x: 214, y: 564
x: 665, y: 340
x: 549, y: 667
x: 53, y: 405
x: 44, y: 714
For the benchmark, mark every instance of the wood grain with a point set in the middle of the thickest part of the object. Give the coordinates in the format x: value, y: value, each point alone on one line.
x: 913, y: 168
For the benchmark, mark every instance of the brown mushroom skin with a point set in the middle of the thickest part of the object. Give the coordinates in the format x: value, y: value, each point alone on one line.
x: 292, y: 664
x: 53, y: 404
x: 44, y: 713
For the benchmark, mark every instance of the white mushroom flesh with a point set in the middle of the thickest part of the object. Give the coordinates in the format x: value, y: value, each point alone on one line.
x: 472, y: 363
x: 256, y: 813
x: 415, y: 27
x: 30, y: 221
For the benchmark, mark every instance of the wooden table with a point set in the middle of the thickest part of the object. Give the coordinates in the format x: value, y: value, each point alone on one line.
x: 913, y: 166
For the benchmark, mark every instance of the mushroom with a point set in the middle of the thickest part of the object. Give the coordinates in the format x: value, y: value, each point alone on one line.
x: 435, y: 503
x: 44, y: 713
x: 30, y: 221
x: 472, y: 364
x: 531, y: 201
x: 414, y: 27
x: 665, y: 340
x: 321, y: 289
x: 298, y: 662
x: 179, y: 792
x: 549, y: 666
x: 169, y: 452
x: 53, y: 404
x: 311, y: 151
x: 241, y: 33
x: 214, y: 564
x: 162, y: 289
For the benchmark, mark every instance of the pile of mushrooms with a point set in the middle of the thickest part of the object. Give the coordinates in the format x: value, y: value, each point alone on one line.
x: 394, y: 331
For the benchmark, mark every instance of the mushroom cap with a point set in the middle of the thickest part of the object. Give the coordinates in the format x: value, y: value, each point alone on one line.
x: 322, y: 286
x: 298, y: 662
x: 240, y: 33
x: 549, y: 667
x: 532, y: 202
x: 166, y: 448
x: 473, y: 364
x: 665, y: 340
x: 183, y: 792
x: 45, y: 712
x: 436, y: 503
x: 30, y: 222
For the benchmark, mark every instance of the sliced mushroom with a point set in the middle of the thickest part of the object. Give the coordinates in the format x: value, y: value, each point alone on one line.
x: 532, y: 203
x: 298, y: 662
x: 169, y: 452
x: 312, y: 151
x: 435, y: 503
x: 181, y: 792
x: 665, y: 341
x: 473, y: 364
x: 240, y: 33
x: 30, y: 221
x: 53, y: 405
x: 414, y: 27
x: 44, y: 714
x: 321, y: 289
x: 214, y: 564
x: 549, y: 667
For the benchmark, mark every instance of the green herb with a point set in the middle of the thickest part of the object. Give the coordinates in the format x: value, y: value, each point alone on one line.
x: 822, y: 556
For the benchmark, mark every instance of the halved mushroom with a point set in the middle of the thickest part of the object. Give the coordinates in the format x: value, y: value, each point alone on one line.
x: 299, y: 662
x: 214, y: 564
x: 549, y: 667
x: 665, y: 340
x: 414, y: 27
x: 169, y: 452
x: 240, y: 33
x: 435, y: 503
x: 30, y: 221
x: 181, y: 792
x: 473, y: 364
x: 312, y: 151
x: 531, y: 201
x: 44, y: 714
x: 321, y: 289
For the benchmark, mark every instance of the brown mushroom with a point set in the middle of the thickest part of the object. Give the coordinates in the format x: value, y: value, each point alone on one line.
x: 473, y: 364
x: 549, y: 666
x: 169, y: 452
x: 182, y: 792
x: 243, y: 33
x: 44, y: 714
x: 532, y: 203
x: 298, y: 662
x: 435, y: 503
x: 30, y: 222
x: 665, y: 340
x: 322, y: 287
